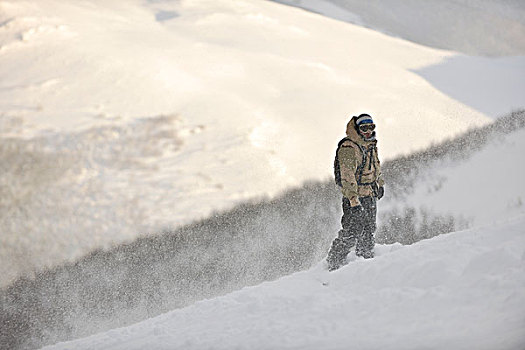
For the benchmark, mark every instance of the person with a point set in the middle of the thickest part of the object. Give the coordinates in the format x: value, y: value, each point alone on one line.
x: 358, y: 172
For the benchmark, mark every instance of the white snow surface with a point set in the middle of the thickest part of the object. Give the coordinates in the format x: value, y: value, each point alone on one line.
x: 464, y: 290
x: 155, y: 113
x: 482, y: 27
x: 478, y: 191
x: 121, y: 118
x: 492, y: 85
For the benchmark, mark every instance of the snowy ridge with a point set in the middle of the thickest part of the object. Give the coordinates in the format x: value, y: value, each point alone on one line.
x: 130, y: 121
x: 258, y: 242
x: 463, y: 290
x: 429, y: 192
x: 80, y: 171
x: 458, y: 25
x: 224, y: 86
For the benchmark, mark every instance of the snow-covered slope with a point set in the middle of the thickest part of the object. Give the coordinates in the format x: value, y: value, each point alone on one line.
x: 474, y: 190
x: 464, y: 290
x: 461, y: 290
x: 482, y: 27
x: 492, y: 85
x: 124, y: 117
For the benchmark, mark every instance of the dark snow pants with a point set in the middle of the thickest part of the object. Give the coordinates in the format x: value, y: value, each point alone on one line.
x: 358, y: 230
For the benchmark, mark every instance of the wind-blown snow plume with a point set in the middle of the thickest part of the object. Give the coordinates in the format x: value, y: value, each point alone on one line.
x: 250, y: 244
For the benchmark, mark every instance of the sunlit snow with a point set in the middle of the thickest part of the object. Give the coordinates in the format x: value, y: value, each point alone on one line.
x: 124, y: 118
x: 154, y: 114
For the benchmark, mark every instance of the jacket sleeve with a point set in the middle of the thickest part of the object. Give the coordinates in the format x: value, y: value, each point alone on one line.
x: 380, y: 180
x: 348, y: 164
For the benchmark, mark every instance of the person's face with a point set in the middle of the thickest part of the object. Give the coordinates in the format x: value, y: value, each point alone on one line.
x: 367, y: 130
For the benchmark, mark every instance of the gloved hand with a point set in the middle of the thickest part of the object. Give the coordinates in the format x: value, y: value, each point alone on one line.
x: 380, y: 192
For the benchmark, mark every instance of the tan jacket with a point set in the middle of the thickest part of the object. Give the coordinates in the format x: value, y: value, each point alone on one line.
x: 350, y: 158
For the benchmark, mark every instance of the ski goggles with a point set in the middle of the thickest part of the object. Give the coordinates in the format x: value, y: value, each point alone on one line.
x: 367, y: 127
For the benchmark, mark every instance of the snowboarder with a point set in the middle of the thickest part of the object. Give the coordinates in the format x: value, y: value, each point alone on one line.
x: 357, y: 171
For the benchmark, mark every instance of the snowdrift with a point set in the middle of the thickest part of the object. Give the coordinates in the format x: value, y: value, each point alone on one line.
x: 464, y: 290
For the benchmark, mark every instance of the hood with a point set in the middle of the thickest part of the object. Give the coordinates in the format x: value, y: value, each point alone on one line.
x: 352, y: 134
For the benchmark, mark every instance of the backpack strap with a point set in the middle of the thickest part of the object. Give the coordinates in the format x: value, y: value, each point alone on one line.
x: 337, y: 167
x: 361, y: 166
